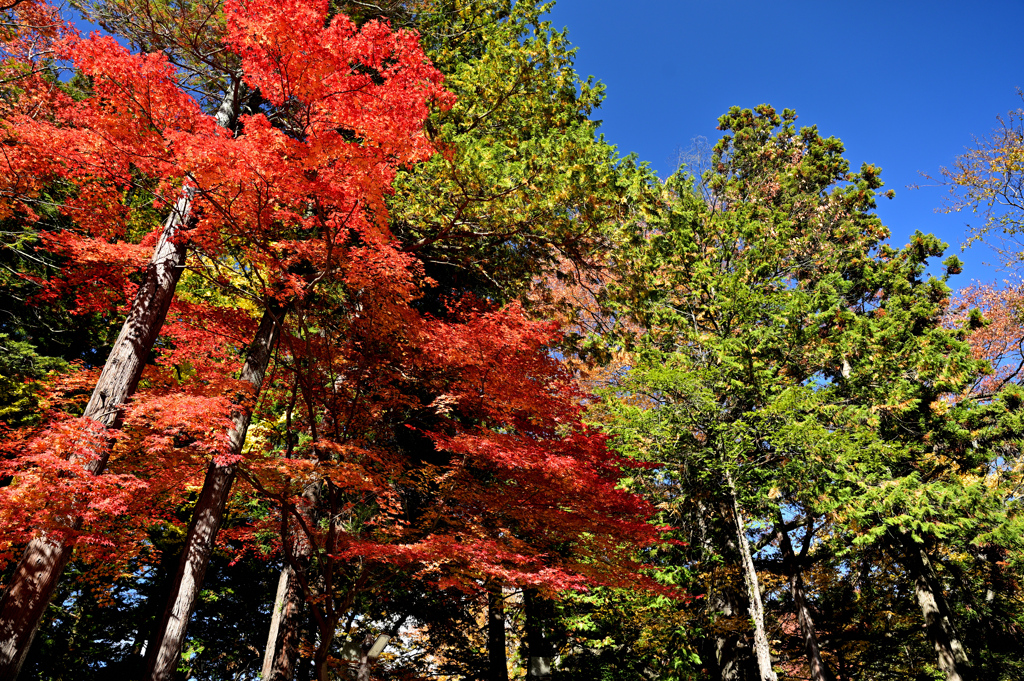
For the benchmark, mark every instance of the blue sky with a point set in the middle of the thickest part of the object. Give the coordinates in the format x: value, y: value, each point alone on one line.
x: 905, y: 84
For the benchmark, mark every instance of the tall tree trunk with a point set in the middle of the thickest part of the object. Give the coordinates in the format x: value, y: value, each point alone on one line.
x: 952, y: 658
x: 539, y: 651
x: 327, y: 611
x: 761, y: 648
x: 320, y: 670
x: 282, y: 649
x: 209, y: 513
x: 306, y: 666
x: 819, y: 669
x: 149, y: 619
x: 35, y: 579
x: 364, y: 665
x: 727, y: 658
x: 497, y: 668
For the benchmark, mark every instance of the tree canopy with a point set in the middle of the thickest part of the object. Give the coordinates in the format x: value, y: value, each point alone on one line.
x: 335, y: 342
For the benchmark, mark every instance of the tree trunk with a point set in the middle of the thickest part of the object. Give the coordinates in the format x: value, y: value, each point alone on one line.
x: 539, y: 651
x: 497, y: 659
x: 819, y: 669
x: 282, y: 649
x: 35, y: 579
x: 127, y: 359
x: 761, y: 648
x: 328, y: 612
x: 320, y: 670
x: 952, y: 659
x: 149, y: 619
x: 209, y: 513
x: 304, y: 666
x: 727, y: 657
x: 364, y: 665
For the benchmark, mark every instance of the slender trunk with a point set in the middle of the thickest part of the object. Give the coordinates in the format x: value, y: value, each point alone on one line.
x: 34, y: 581
x: 761, y: 648
x: 304, y: 665
x: 149, y: 619
x: 209, y: 513
x: 127, y: 359
x: 283, y: 641
x: 539, y: 651
x: 952, y: 659
x: 323, y: 652
x: 325, y: 609
x: 327, y: 614
x: 282, y: 651
x: 497, y: 660
x: 819, y: 669
x: 727, y: 657
x: 36, y: 577
x: 277, y: 614
x: 320, y: 670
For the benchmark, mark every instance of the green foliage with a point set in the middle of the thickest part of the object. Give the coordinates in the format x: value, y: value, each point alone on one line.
x: 20, y: 369
x: 521, y: 178
x: 98, y: 629
x: 779, y: 346
x: 630, y: 634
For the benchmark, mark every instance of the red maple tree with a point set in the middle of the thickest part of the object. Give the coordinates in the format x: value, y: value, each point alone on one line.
x: 448, y: 451
x: 272, y: 203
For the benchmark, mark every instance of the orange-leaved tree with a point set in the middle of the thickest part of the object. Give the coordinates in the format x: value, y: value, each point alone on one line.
x: 439, y: 452
x: 267, y: 200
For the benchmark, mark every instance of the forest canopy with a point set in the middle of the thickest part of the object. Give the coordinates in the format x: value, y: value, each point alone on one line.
x: 336, y: 342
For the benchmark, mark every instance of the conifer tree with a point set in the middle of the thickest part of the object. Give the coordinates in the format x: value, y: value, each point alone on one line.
x: 792, y: 368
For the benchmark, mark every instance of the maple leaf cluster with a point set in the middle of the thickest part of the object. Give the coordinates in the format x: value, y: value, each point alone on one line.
x: 485, y: 470
x: 992, y: 316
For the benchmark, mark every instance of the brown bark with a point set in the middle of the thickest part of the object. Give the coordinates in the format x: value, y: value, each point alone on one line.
x: 36, y: 577
x: 34, y: 581
x: 282, y: 651
x: 725, y: 652
x: 952, y: 658
x: 819, y: 669
x: 123, y: 369
x: 497, y: 657
x: 149, y: 622
x: 209, y: 514
x: 328, y: 612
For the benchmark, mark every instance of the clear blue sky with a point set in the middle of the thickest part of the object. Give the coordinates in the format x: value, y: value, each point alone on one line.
x: 905, y: 84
